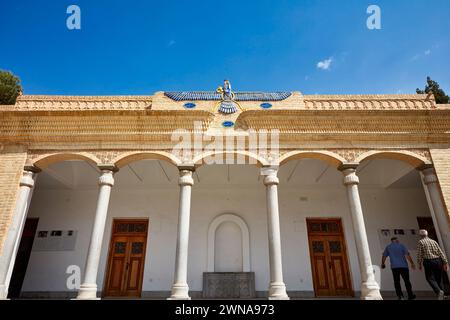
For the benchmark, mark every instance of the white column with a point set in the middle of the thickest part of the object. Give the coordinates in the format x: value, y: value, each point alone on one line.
x: 440, y: 212
x: 180, y: 288
x: 277, y: 288
x: 14, y: 234
x: 369, y: 287
x: 88, y: 289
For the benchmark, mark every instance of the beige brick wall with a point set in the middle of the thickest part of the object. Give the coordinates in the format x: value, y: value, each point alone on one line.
x: 441, y: 160
x: 12, y: 160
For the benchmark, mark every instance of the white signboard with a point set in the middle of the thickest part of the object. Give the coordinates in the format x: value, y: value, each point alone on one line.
x: 55, y: 240
x: 409, y: 237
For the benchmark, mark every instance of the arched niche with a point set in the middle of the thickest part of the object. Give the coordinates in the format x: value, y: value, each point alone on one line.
x: 245, y: 236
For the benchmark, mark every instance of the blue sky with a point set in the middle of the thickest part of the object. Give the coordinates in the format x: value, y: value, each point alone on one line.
x: 139, y: 47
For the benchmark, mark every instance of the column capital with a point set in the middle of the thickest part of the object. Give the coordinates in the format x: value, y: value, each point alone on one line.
x: 350, y: 177
x: 188, y: 167
x: 346, y: 166
x: 186, y: 178
x: 27, y: 178
x: 425, y: 167
x: 32, y: 168
x: 106, y: 178
x: 108, y: 167
x: 270, y: 175
x: 429, y: 176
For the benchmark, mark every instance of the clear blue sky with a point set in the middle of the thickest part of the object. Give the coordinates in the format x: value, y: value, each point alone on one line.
x: 139, y: 47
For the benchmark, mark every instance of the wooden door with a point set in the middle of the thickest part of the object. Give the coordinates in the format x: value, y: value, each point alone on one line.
x: 22, y: 257
x: 329, y: 261
x: 126, y: 258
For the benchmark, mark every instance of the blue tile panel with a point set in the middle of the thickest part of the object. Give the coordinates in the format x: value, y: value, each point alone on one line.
x: 266, y: 105
x: 239, y: 96
x: 189, y: 105
x: 228, y: 124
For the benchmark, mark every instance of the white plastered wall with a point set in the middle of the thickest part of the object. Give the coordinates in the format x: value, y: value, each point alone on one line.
x: 74, y: 209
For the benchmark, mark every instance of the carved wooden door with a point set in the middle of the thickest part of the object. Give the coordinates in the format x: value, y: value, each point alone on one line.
x: 126, y: 258
x: 329, y: 261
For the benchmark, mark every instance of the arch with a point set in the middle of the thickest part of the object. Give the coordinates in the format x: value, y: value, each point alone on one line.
x: 409, y: 157
x: 245, y: 240
x: 128, y: 157
x: 44, y: 161
x: 329, y: 157
x: 248, y: 157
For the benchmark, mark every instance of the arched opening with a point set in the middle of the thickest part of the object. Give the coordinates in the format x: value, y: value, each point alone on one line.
x: 64, y: 200
x: 407, y: 157
x: 130, y: 157
x: 58, y: 226
x: 146, y: 189
x: 311, y: 197
x: 230, y: 157
x: 328, y: 157
x: 395, y: 204
x: 392, y: 198
x: 46, y: 160
x: 223, y: 242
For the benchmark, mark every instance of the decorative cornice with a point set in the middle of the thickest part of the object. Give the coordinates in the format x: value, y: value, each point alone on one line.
x: 368, y: 97
x: 80, y: 98
x: 57, y: 103
x: 283, y: 100
x: 369, y: 102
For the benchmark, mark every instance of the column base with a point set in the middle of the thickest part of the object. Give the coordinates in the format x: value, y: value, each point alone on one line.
x: 3, y: 292
x: 180, y: 292
x: 370, y: 291
x: 87, y: 292
x: 277, y: 291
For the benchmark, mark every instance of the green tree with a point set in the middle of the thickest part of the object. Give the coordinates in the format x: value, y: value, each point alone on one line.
x: 10, y: 87
x: 433, y: 87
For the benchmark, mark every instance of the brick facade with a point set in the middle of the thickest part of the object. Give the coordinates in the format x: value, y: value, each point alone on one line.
x: 441, y: 161
x: 12, y: 160
x: 117, y: 130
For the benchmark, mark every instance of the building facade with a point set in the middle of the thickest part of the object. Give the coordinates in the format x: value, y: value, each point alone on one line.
x: 142, y: 196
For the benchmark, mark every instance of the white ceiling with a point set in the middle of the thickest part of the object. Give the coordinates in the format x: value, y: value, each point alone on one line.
x: 160, y: 174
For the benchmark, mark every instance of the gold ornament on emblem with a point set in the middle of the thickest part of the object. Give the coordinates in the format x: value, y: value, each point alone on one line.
x: 227, y: 104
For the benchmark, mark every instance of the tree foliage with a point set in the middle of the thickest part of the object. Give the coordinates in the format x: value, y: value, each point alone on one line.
x: 433, y: 87
x: 10, y: 87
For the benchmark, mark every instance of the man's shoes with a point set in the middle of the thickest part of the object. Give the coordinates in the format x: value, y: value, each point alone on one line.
x: 412, y: 297
x: 400, y: 298
x: 441, y: 295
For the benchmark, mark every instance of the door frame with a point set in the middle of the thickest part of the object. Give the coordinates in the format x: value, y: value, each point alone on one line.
x: 110, y: 252
x: 14, y: 276
x: 345, y: 251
